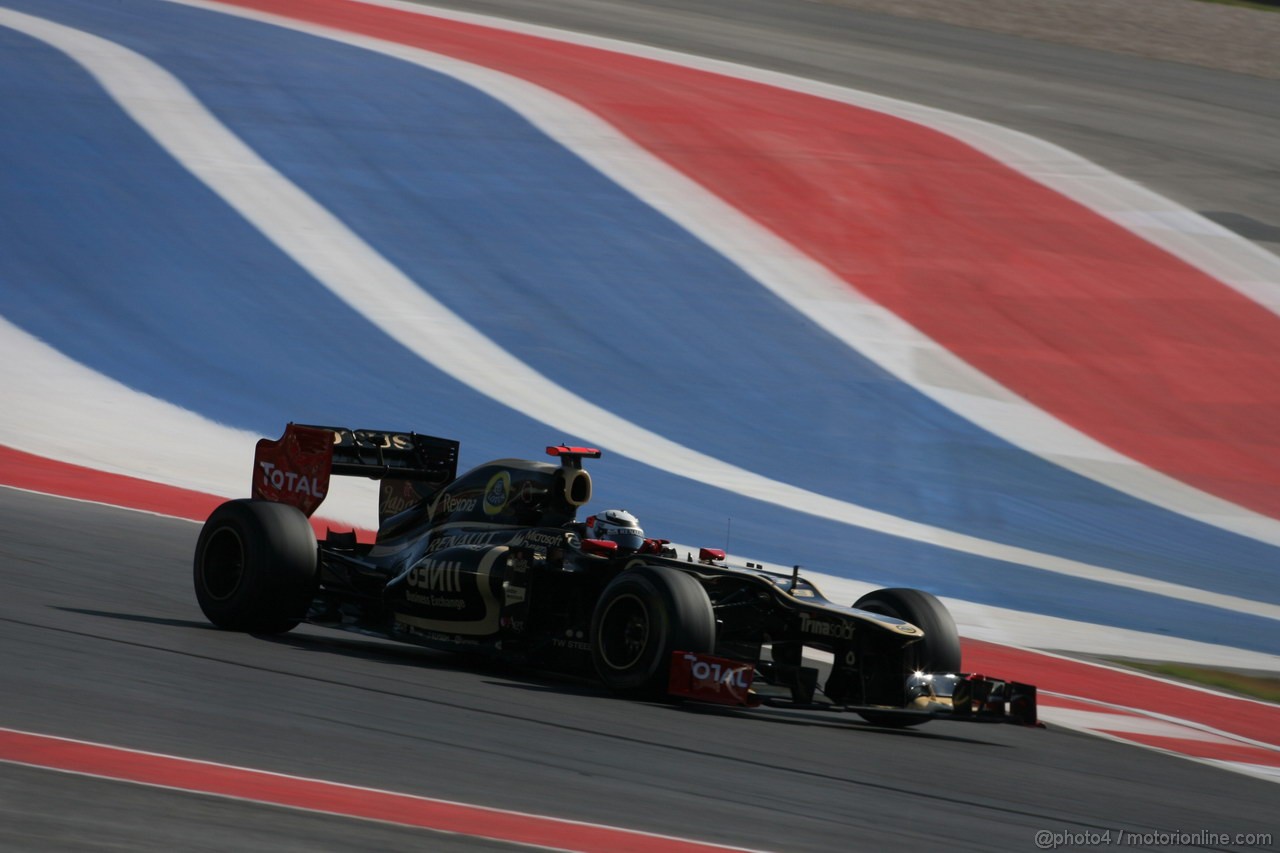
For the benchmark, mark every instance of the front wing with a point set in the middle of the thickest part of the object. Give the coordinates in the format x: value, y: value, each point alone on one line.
x: 967, y: 697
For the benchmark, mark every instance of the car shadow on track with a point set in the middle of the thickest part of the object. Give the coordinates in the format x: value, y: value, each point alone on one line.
x: 376, y: 650
x: 136, y: 617
x: 844, y: 720
x: 388, y: 652
x: 501, y: 674
x: 369, y: 649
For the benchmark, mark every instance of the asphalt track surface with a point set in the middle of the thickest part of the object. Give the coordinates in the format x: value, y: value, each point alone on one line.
x: 104, y: 642
x: 102, y: 639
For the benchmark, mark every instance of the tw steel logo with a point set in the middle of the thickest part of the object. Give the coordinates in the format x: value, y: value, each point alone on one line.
x: 289, y: 481
x: 437, y: 575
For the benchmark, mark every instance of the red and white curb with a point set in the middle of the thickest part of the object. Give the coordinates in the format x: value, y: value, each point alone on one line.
x: 1155, y: 731
x: 1232, y: 732
x: 316, y: 795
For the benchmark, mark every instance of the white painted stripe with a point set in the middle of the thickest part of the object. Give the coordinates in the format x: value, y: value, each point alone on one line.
x: 372, y: 286
x: 860, y: 323
x: 1150, y: 676
x: 1268, y: 774
x: 1119, y: 724
x: 1258, y: 771
x: 1123, y: 721
x: 1034, y: 631
x: 60, y: 409
x: 1108, y: 709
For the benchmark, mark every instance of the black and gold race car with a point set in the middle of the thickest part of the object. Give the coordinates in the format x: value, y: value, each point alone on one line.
x: 494, y: 561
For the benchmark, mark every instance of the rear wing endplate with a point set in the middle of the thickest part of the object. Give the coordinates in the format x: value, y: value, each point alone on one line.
x: 295, y: 469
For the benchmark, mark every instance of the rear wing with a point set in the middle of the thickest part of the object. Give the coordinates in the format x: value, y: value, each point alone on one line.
x: 295, y: 468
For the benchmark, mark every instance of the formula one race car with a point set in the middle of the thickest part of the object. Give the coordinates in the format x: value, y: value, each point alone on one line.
x: 494, y: 561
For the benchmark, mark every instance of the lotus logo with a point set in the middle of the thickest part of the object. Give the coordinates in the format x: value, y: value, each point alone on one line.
x: 497, y: 493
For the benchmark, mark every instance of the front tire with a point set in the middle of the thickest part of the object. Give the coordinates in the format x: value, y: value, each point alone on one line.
x: 939, y: 651
x: 643, y: 615
x: 255, y: 566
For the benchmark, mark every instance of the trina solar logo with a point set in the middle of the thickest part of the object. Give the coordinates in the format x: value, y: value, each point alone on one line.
x: 822, y: 628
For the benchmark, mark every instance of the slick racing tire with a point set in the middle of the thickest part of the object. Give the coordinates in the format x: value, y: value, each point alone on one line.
x: 255, y: 566
x: 939, y: 651
x: 643, y: 615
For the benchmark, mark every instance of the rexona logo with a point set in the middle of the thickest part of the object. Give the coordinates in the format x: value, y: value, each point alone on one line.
x: 437, y: 575
x: 450, y: 504
x: 289, y: 481
x: 497, y: 493
x: 822, y: 628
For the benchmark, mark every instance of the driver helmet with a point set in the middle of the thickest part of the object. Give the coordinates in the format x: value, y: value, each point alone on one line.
x: 616, y: 525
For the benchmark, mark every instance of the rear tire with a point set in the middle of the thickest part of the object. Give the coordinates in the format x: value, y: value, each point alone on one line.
x: 939, y: 651
x: 255, y: 566
x: 643, y: 615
